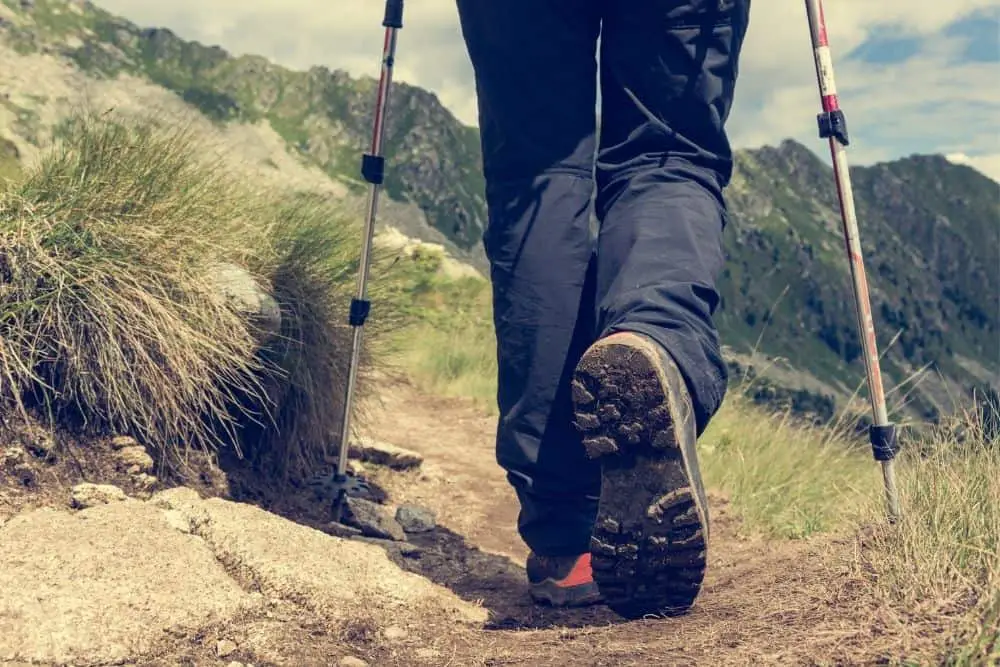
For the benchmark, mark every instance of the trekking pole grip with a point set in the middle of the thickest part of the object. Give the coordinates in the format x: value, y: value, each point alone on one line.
x: 393, y: 14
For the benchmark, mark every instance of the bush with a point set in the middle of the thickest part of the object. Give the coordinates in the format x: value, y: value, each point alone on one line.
x: 111, y: 319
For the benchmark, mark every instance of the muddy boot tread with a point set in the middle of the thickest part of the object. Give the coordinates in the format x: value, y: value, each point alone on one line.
x: 649, y: 545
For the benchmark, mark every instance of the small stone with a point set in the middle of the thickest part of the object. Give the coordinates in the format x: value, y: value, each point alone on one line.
x: 123, y: 441
x: 415, y: 519
x: 234, y: 663
x: 12, y: 456
x: 90, y: 495
x: 146, y: 481
x: 394, y: 633
x: 427, y: 653
x: 384, y: 453
x: 409, y: 550
x: 351, y: 661
x: 405, y: 549
x: 341, y: 530
x: 373, y: 519
x: 237, y: 287
x: 135, y: 460
x: 42, y: 445
x: 225, y: 647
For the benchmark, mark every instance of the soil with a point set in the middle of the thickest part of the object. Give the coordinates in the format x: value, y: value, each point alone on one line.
x: 803, y: 602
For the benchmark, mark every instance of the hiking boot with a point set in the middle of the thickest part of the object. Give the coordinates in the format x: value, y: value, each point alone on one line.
x: 562, y: 581
x: 651, y: 535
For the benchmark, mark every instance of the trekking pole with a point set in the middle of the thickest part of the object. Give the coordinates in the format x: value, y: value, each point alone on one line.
x: 373, y: 171
x: 833, y: 126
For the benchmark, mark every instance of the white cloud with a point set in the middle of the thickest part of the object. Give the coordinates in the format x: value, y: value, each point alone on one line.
x: 922, y: 105
x: 987, y: 164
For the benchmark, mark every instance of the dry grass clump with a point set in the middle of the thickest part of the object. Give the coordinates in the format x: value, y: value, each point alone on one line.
x: 312, y: 274
x: 111, y: 315
x: 942, y: 559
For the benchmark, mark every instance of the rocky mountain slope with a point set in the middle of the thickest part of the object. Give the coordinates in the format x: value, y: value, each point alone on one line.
x: 931, y: 237
x: 930, y: 228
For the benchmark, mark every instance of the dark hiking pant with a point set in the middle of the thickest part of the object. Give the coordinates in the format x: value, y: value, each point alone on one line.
x: 667, y: 74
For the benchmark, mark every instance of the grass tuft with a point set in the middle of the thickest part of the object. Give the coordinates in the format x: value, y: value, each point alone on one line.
x: 112, y: 315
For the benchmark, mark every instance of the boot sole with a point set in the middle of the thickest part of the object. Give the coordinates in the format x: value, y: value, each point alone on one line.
x: 650, y: 540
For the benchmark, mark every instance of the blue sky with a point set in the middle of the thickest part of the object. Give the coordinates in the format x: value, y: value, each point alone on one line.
x: 914, y: 76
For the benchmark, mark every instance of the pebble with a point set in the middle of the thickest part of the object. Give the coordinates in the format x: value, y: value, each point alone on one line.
x: 135, y: 460
x: 373, y: 520
x: 351, y: 661
x: 415, y: 519
x: 387, y: 454
x: 123, y: 441
x: 89, y: 495
x: 225, y: 647
x: 13, y: 456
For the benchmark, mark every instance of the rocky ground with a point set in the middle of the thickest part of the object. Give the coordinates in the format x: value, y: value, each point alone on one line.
x: 100, y: 564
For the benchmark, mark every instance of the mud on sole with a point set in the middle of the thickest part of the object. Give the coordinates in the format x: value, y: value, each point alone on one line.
x: 649, y: 546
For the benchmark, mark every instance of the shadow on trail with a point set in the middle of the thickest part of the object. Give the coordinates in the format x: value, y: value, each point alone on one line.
x: 442, y: 556
x: 492, y: 580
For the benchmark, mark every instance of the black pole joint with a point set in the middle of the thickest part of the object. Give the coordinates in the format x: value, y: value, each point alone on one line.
x: 393, y: 14
x: 359, y: 312
x: 833, y: 124
x: 373, y: 168
x: 885, y: 444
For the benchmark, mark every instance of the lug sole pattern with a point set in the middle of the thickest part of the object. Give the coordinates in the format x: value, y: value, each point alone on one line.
x: 650, y: 540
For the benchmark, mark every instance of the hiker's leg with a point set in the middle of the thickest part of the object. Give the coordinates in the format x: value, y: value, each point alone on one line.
x: 535, y: 68
x: 669, y: 70
x: 646, y: 390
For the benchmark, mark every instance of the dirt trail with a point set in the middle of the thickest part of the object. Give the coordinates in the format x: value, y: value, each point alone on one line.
x: 762, y: 603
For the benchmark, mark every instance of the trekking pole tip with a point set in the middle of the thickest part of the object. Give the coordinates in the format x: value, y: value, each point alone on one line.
x: 885, y: 446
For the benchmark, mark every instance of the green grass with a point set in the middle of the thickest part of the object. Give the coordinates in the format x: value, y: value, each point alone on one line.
x: 450, y: 347
x: 10, y: 166
x: 784, y: 478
